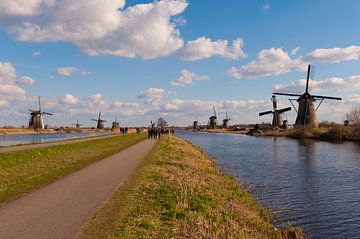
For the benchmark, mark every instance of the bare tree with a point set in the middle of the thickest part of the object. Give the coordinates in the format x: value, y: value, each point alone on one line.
x: 161, y: 123
x: 354, y: 116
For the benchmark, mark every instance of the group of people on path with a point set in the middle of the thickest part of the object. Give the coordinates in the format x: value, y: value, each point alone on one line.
x: 155, y: 133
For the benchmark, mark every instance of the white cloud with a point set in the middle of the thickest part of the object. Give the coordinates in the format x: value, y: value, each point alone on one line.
x: 68, y: 99
x: 204, y: 47
x: 333, y: 55
x: 180, y: 21
x: 7, y: 73
x: 187, y: 77
x: 273, y: 61
x: 333, y: 84
x: 152, y: 96
x: 86, y: 73
x: 353, y: 99
x: 96, y: 99
x: 11, y: 91
x: 20, y: 8
x: 266, y: 6
x: 27, y: 80
x: 106, y: 28
x: 294, y: 51
x: 36, y: 53
x: 65, y: 71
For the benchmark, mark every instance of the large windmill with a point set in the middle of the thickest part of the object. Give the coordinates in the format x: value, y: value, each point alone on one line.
x: 306, y: 113
x: 277, y: 113
x: 213, y: 120
x: 100, y: 122
x: 36, y: 118
x: 226, y: 121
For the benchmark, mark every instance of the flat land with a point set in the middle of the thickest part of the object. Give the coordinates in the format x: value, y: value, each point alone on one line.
x: 179, y: 192
x: 24, y: 171
x: 59, y: 209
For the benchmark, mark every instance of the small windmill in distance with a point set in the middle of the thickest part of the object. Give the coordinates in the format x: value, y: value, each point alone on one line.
x: 306, y: 113
x: 36, y: 117
x: 277, y: 113
x: 115, y: 125
x: 100, y: 122
x: 77, y: 125
x: 226, y: 121
x: 196, y: 124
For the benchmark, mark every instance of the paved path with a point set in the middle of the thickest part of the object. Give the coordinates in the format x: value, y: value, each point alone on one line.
x: 33, y: 146
x: 61, y: 208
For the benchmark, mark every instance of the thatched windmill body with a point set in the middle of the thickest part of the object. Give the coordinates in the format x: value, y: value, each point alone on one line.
x: 306, y: 113
x: 277, y: 113
x: 100, y: 122
x: 226, y: 121
x: 115, y: 125
x: 196, y: 124
x: 36, y: 118
x: 213, y: 120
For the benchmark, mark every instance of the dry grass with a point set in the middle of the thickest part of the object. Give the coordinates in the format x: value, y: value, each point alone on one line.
x: 180, y: 193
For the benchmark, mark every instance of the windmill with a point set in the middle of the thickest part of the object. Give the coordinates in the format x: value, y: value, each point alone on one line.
x: 226, y: 121
x: 213, y: 120
x: 115, y: 125
x: 306, y: 113
x: 277, y: 113
x: 196, y: 124
x: 36, y: 118
x: 100, y: 122
x: 77, y: 125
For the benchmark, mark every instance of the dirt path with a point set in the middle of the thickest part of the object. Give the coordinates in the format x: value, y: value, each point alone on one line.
x: 61, y: 208
x: 33, y: 146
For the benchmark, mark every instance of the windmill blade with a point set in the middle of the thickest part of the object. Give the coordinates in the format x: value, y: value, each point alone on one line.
x: 307, y: 79
x: 214, y: 111
x: 284, y: 110
x: 326, y: 97
x: 265, y: 112
x: 39, y: 103
x: 102, y: 120
x: 46, y: 113
x: 94, y: 120
x: 276, y: 93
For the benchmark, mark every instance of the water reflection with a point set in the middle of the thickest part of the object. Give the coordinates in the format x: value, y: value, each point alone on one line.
x: 308, y: 183
x: 7, y: 140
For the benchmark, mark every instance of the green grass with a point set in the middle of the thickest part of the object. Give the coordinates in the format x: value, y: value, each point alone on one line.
x: 25, y: 171
x: 179, y: 192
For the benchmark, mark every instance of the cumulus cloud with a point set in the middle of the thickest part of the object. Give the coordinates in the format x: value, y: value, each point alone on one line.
x: 333, y: 84
x: 106, y: 27
x: 27, y: 80
x: 187, y: 77
x: 19, y: 8
x: 65, y: 71
x: 68, y: 99
x: 7, y: 73
x: 333, y: 55
x: 273, y: 61
x: 152, y: 96
x: 266, y: 6
x: 204, y: 47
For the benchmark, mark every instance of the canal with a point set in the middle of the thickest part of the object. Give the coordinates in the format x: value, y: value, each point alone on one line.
x: 8, y: 140
x: 311, y: 184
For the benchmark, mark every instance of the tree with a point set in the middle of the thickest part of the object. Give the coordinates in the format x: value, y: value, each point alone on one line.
x: 161, y: 123
x: 354, y: 116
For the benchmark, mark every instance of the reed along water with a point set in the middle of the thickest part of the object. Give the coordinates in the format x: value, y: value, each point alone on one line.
x: 15, y: 139
x: 311, y: 184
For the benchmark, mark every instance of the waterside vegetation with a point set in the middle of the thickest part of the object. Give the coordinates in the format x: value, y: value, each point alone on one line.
x: 179, y: 192
x: 25, y: 171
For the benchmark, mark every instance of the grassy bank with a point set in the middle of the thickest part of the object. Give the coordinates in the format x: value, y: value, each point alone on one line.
x: 24, y: 171
x: 178, y: 192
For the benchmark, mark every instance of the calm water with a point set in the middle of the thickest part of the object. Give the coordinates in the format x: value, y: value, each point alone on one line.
x: 315, y: 185
x: 7, y: 140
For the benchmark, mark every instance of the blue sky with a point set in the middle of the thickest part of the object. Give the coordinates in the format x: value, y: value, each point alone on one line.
x: 123, y: 61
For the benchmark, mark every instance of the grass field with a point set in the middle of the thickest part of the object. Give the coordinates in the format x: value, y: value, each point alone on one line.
x: 25, y: 171
x: 179, y: 192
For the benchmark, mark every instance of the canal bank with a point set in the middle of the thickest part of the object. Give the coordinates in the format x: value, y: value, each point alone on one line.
x: 179, y: 192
